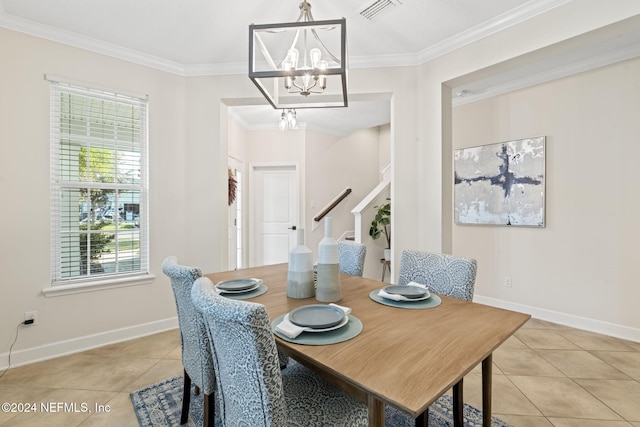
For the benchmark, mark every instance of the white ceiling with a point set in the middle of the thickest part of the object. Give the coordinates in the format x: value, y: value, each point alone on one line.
x: 210, y: 37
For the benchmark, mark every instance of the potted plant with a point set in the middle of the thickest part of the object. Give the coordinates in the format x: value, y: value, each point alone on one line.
x: 381, y: 225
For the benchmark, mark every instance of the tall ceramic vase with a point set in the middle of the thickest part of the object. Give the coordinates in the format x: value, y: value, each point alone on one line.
x: 300, y: 275
x: 329, y: 288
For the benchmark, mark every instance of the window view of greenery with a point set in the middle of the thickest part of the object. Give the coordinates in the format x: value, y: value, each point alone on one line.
x: 100, y: 187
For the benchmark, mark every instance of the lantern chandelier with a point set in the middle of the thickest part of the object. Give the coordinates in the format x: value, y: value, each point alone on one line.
x: 294, y: 67
x: 288, y: 120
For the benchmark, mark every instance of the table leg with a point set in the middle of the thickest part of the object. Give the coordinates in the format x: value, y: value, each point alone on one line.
x: 376, y: 412
x: 487, y: 366
x: 423, y: 419
x: 458, y: 404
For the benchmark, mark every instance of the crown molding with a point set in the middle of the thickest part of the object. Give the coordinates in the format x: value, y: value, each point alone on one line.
x: 609, y: 57
x: 15, y: 23
x: 495, y: 25
x: 501, y: 22
x: 222, y: 69
x: 383, y: 61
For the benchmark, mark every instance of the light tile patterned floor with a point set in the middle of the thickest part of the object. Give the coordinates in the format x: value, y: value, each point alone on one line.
x: 545, y: 375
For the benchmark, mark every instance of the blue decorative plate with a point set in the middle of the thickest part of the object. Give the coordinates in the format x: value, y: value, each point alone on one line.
x: 238, y: 285
x: 406, y: 291
x: 317, y: 316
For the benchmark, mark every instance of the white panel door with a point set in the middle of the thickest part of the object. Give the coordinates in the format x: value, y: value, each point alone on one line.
x: 275, y: 212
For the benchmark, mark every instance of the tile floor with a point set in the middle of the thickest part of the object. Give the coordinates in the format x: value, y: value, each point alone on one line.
x: 545, y: 375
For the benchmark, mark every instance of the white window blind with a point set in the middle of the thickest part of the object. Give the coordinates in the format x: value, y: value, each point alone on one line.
x: 98, y: 185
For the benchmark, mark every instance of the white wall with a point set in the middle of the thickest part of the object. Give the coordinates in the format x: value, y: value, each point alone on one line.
x: 582, y: 265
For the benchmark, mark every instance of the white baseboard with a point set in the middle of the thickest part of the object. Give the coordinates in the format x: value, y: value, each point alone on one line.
x: 578, y: 322
x: 75, y: 345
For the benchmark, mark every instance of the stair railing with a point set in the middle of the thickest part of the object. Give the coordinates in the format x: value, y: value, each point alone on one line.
x: 340, y: 197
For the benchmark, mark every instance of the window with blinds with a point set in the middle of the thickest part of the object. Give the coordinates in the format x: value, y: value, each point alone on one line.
x: 98, y: 185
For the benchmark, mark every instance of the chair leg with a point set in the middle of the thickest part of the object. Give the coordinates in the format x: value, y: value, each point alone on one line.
x: 186, y: 397
x: 209, y: 410
x: 458, y: 404
x: 423, y: 419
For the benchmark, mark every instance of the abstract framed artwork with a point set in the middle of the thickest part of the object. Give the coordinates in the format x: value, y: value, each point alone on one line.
x: 501, y: 184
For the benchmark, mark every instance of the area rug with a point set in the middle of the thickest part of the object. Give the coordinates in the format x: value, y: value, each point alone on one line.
x: 159, y: 405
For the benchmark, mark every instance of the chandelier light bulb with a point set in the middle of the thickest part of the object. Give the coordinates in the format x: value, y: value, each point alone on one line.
x: 322, y: 80
x: 291, y: 118
x: 293, y: 58
x: 315, y: 55
x: 288, y: 80
x: 307, y: 78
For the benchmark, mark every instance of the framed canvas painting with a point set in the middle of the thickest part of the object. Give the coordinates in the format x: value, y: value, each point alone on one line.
x: 501, y: 184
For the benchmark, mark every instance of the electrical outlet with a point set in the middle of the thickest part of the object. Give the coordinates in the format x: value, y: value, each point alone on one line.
x: 31, y: 315
x: 507, y: 282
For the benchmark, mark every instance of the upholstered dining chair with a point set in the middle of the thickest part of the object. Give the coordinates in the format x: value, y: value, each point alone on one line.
x: 447, y: 275
x: 351, y: 256
x: 194, y: 340
x: 443, y: 274
x: 253, y: 390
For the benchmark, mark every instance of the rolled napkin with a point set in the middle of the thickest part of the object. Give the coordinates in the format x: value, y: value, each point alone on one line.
x: 396, y: 297
x: 290, y: 330
x: 419, y: 285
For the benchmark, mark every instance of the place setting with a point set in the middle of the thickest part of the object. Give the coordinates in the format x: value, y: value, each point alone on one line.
x: 241, y: 289
x: 412, y: 295
x: 317, y: 324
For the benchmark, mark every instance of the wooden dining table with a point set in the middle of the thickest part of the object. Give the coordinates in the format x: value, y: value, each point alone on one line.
x: 406, y: 358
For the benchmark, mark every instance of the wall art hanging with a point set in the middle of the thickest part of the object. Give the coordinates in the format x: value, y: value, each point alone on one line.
x: 501, y: 184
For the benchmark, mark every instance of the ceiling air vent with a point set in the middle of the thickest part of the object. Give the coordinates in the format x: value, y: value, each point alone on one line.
x: 372, y: 11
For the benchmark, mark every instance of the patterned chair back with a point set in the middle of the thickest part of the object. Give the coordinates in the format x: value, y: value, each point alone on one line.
x: 351, y: 256
x: 246, y: 359
x: 447, y: 275
x: 196, y: 356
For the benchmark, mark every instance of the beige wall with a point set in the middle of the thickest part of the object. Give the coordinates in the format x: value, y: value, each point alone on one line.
x: 327, y: 165
x: 188, y: 153
x: 334, y: 164
x: 95, y: 317
x: 433, y: 147
x: 582, y: 264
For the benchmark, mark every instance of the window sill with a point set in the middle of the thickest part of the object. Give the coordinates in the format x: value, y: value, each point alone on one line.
x: 98, y: 285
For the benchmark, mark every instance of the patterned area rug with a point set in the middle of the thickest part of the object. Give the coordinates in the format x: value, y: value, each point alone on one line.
x: 159, y: 405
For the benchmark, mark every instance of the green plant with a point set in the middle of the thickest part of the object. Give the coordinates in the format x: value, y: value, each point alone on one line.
x: 381, y: 223
x: 99, y: 242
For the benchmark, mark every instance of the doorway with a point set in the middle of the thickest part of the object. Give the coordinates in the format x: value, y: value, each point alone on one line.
x: 274, y: 193
x: 235, y: 226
